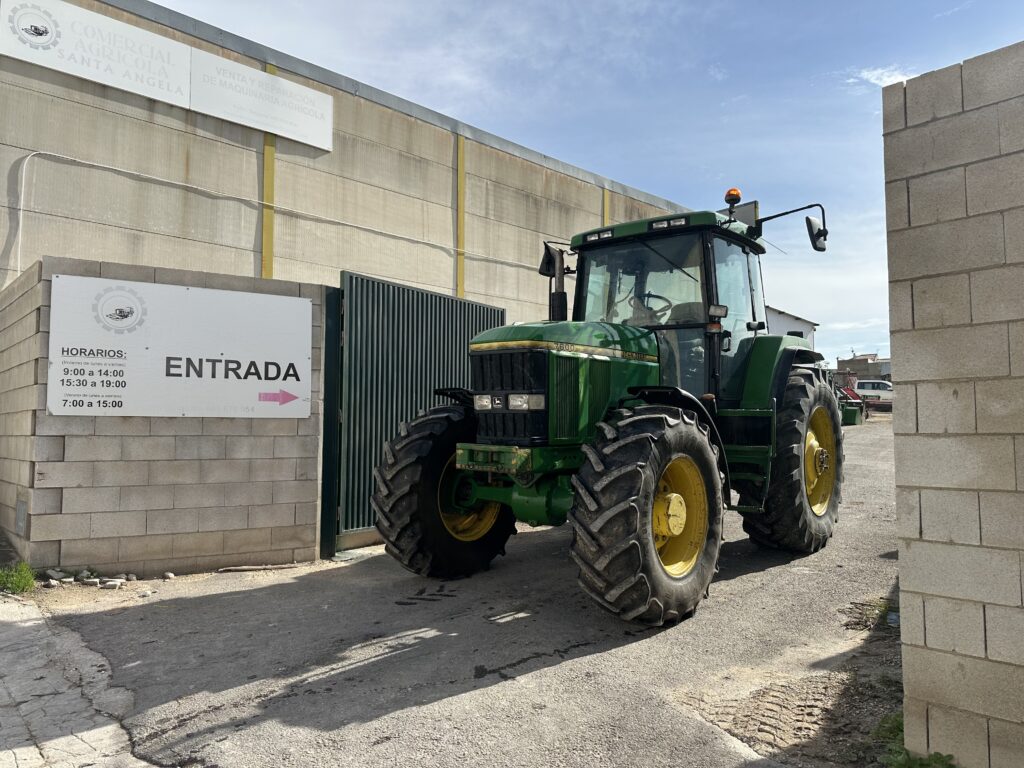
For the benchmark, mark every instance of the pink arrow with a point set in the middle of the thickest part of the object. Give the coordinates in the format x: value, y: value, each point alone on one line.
x: 280, y: 397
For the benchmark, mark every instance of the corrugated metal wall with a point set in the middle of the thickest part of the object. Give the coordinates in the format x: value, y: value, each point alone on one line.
x: 398, y: 345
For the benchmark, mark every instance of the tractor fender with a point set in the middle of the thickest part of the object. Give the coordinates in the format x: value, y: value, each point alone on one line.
x: 680, y: 398
x: 770, y: 360
x: 790, y: 358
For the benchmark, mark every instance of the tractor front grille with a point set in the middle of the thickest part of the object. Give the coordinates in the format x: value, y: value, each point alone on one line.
x: 503, y: 373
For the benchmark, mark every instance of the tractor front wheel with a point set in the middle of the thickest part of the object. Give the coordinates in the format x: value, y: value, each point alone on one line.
x: 647, y: 518
x: 802, y: 506
x: 419, y: 504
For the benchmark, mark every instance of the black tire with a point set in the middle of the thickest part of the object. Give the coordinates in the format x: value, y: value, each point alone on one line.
x: 788, y: 521
x: 612, y: 515
x: 407, y: 503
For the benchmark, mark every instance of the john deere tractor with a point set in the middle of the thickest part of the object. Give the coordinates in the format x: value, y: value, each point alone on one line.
x: 662, y: 402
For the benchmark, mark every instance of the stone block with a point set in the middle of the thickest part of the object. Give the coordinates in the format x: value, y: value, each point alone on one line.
x: 942, y: 301
x: 963, y: 138
x: 994, y: 76
x: 958, y: 733
x: 64, y: 425
x: 223, y: 518
x: 230, y: 282
x: 946, y: 407
x: 272, y: 516
x: 915, y: 726
x: 1005, y: 633
x: 901, y: 306
x: 304, y: 554
x: 196, y: 544
x: 224, y: 471
x: 105, y: 524
x: 950, y: 353
x: 1006, y: 744
x: 199, y: 447
x: 940, y: 196
x: 292, y: 536
x: 294, y: 491
x: 911, y: 618
x: 225, y: 426
x: 897, y: 205
x: 43, y: 554
x: 248, y: 494
x: 173, y: 472
x: 273, y: 469
x: 307, y: 514
x: 192, y: 496
x: 60, y: 265
x: 167, y: 276
x: 248, y: 540
x: 80, y: 500
x: 954, y: 625
x: 978, y: 685
x: 149, y: 547
x: 949, y: 246
x: 123, y: 473
x: 996, y: 184
x: 963, y: 461
x: 934, y: 94
x: 295, y: 447
x: 995, y: 295
x: 63, y: 474
x: 149, y: 448
x: 1011, y: 125
x: 982, y: 575
x: 175, y: 425
x: 42, y: 501
x: 172, y: 521
x: 52, y: 527
x: 1000, y: 408
x: 147, y: 497
x: 275, y: 427
x: 250, y: 447
x: 47, y: 449
x: 1016, y: 334
x: 904, y: 409
x: 1013, y: 228
x: 307, y: 469
x: 1002, y: 518
x: 86, y: 551
x: 908, y: 513
x: 122, y: 425
x: 310, y: 425
x: 136, y: 273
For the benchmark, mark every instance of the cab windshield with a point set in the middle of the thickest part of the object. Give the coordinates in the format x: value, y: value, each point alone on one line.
x: 654, y: 282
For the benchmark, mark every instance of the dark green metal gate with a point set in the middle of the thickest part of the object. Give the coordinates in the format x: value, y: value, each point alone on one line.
x: 388, y: 348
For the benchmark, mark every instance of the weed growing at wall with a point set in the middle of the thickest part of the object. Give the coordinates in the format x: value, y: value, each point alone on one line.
x: 17, y: 579
x: 890, y: 733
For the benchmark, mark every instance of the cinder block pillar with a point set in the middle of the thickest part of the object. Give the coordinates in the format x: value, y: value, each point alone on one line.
x: 954, y: 173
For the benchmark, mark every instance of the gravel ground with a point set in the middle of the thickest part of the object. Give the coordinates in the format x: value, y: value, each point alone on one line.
x: 362, y: 664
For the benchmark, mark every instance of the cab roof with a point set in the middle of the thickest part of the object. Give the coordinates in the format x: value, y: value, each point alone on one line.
x: 669, y: 224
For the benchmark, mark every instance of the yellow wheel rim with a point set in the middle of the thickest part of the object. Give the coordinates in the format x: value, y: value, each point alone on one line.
x: 820, y: 460
x: 679, y: 520
x: 464, y: 526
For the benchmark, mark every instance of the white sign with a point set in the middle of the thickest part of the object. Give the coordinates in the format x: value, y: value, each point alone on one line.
x: 121, y: 348
x: 241, y: 94
x: 95, y: 47
x: 92, y: 46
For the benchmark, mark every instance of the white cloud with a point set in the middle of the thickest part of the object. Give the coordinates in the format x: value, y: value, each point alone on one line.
x: 716, y: 72
x: 956, y: 9
x: 881, y: 76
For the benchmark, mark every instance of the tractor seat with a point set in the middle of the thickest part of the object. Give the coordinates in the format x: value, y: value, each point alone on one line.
x: 687, y: 312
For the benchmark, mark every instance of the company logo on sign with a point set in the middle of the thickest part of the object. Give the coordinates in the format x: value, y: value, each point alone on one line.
x: 119, y: 309
x: 34, y: 26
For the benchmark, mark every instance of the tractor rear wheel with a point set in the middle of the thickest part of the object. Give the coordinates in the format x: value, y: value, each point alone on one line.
x: 802, y: 506
x: 647, y: 518
x: 417, y: 504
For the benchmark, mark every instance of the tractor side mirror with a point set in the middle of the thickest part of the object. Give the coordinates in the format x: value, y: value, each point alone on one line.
x: 816, y: 232
x: 551, y: 260
x: 726, y: 341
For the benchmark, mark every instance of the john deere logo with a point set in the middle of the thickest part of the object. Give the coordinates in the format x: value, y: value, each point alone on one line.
x: 119, y: 309
x: 34, y: 26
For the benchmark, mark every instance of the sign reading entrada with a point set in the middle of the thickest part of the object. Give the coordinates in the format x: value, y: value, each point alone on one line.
x: 122, y: 348
x: 64, y: 37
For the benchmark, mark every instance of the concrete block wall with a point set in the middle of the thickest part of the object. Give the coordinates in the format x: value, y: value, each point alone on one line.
x: 142, y: 494
x: 954, y: 170
x: 384, y: 202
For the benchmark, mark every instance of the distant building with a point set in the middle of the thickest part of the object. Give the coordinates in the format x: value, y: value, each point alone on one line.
x: 868, y: 366
x: 783, y: 323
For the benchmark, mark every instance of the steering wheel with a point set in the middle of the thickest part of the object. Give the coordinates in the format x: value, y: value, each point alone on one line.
x: 660, y: 312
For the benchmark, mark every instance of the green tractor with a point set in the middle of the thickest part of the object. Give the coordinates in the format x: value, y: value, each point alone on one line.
x: 662, y: 402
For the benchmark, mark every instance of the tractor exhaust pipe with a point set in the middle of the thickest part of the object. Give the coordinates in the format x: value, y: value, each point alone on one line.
x: 552, y: 265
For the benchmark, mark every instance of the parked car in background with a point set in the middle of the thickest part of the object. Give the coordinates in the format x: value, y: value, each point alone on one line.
x: 875, y: 393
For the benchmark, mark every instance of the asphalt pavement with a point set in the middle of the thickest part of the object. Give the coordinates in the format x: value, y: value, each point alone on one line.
x: 363, y: 664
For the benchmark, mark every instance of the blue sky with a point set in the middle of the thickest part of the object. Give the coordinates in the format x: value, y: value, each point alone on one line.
x: 676, y: 98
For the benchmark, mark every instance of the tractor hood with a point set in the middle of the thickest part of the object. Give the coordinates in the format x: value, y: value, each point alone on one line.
x: 592, y: 339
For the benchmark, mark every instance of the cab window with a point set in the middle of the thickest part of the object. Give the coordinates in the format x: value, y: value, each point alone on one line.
x: 732, y: 275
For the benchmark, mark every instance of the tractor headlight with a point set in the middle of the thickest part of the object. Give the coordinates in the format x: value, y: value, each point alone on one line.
x: 482, y: 402
x: 526, y: 402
